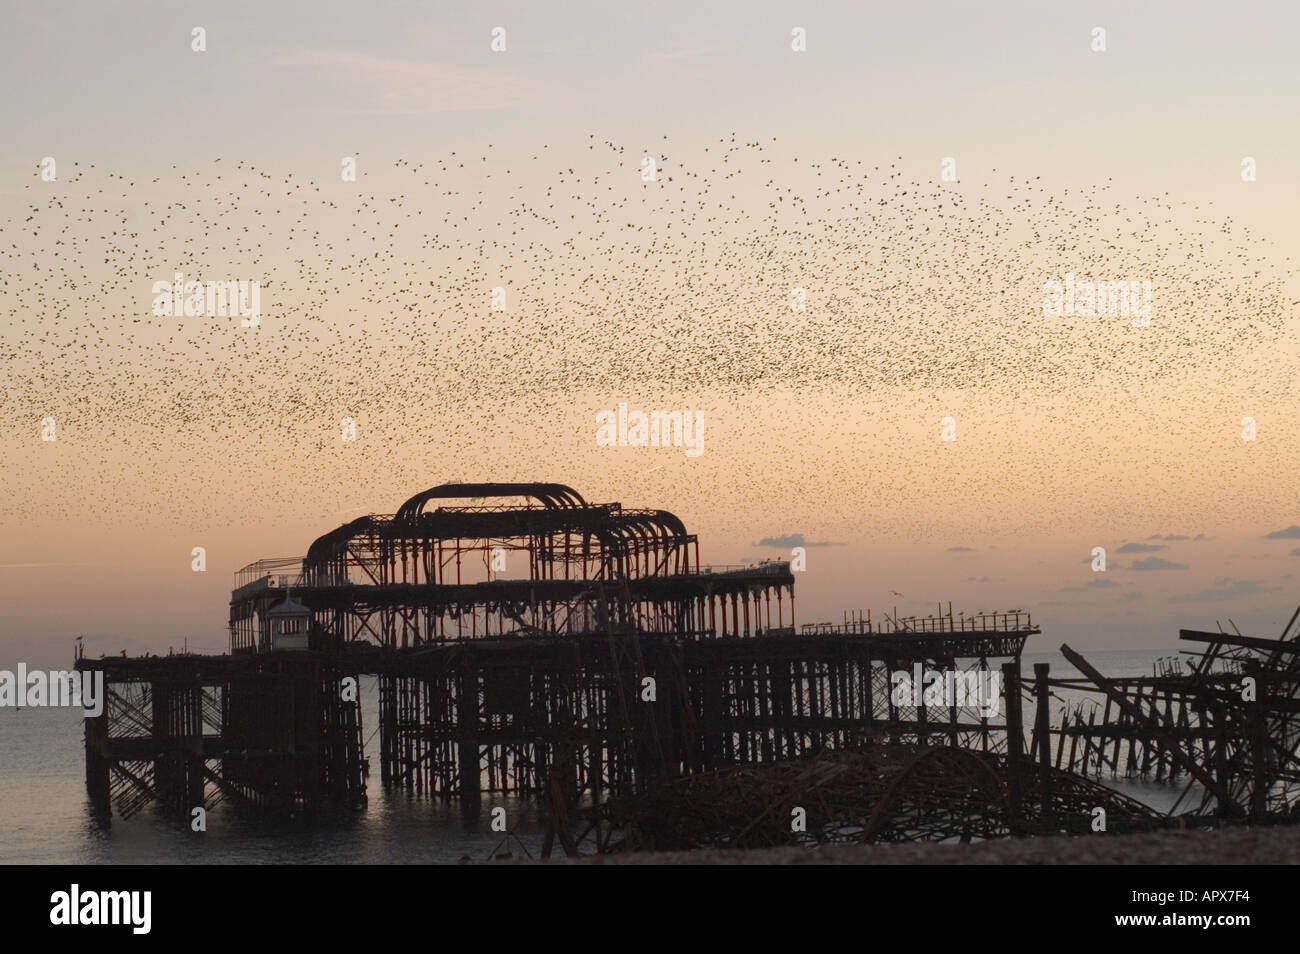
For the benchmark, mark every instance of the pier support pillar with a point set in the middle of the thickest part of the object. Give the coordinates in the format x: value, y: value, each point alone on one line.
x: 1042, y: 729
x: 467, y: 724
x: 97, y: 786
x: 1015, y: 744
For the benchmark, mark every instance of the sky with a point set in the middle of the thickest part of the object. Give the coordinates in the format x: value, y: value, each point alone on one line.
x: 524, y: 169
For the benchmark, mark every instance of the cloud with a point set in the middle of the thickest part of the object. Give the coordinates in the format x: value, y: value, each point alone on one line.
x: 1295, y: 551
x: 1290, y: 533
x: 1223, y: 590
x: 1169, y: 537
x: 794, y: 540
x: 1157, y: 563
x: 393, y: 86
x: 1132, y: 595
x: 960, y: 550
x: 1142, y: 547
x: 1102, y: 583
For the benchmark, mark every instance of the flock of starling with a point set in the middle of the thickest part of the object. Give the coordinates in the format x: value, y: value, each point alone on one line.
x: 470, y: 313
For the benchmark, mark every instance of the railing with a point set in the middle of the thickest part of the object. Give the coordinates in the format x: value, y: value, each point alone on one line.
x: 262, y: 575
x: 258, y: 576
x: 978, y: 623
x: 263, y: 569
x: 777, y: 568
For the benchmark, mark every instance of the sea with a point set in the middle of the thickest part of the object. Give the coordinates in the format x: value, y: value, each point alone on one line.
x: 46, y: 817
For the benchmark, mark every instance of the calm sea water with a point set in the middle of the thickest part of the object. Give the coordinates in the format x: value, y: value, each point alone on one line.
x: 45, y: 816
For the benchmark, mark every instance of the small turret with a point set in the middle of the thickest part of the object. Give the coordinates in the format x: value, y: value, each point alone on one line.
x: 289, y: 621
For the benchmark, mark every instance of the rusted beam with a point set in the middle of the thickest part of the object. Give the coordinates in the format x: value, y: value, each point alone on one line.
x: 1244, y: 642
x: 1153, y: 726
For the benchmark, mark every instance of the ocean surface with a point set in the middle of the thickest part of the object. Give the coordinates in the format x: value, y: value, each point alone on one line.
x: 45, y: 816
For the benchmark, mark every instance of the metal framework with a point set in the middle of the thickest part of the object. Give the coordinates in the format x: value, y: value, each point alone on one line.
x: 1227, y: 729
x: 526, y: 640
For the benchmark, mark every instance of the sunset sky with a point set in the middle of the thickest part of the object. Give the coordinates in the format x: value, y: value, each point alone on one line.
x: 775, y: 170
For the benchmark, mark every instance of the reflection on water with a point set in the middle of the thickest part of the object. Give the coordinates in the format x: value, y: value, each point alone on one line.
x: 48, y: 819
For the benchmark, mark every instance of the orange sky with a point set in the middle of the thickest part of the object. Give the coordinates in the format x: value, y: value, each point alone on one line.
x: 774, y: 172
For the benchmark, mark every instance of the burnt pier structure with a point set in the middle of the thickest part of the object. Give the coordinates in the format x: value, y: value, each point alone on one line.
x: 521, y: 640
